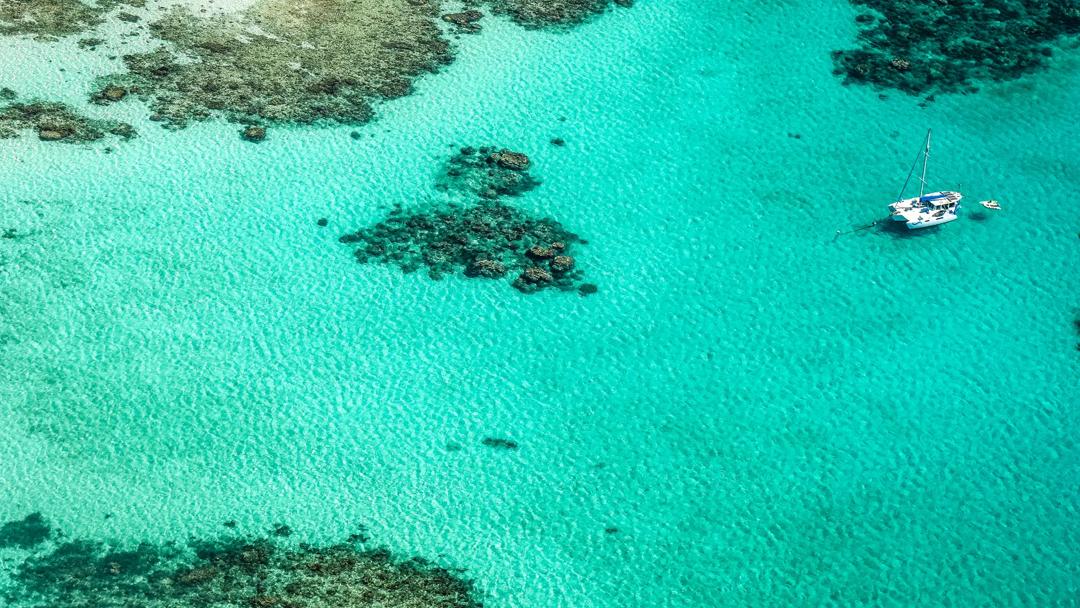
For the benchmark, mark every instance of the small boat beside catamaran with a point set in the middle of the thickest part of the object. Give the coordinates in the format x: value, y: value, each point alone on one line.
x: 927, y: 209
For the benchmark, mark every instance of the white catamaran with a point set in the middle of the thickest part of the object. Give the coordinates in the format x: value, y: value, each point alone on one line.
x: 924, y: 210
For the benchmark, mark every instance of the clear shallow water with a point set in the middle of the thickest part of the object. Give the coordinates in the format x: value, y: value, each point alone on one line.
x: 783, y: 417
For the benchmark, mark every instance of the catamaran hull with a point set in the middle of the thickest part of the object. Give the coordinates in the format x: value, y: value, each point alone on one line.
x: 926, y: 223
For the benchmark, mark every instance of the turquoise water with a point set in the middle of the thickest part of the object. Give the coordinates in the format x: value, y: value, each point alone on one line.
x: 768, y: 413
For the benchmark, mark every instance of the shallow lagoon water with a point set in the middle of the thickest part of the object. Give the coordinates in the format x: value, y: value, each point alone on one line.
x: 769, y: 414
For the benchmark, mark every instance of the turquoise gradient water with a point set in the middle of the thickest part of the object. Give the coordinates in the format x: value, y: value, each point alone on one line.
x: 768, y: 413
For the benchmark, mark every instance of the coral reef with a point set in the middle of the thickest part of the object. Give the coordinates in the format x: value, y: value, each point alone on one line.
x: 488, y: 172
x: 548, y: 13
x: 29, y: 531
x: 295, y: 61
x: 948, y: 46
x: 51, y: 19
x: 263, y: 572
x: 485, y: 240
x: 54, y: 121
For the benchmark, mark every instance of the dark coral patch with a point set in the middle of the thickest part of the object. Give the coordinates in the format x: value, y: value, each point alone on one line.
x: 25, y: 533
x: 499, y: 443
x: 484, y: 240
x: 949, y: 46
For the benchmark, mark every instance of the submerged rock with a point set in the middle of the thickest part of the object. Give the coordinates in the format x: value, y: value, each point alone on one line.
x: 254, y: 133
x: 111, y: 93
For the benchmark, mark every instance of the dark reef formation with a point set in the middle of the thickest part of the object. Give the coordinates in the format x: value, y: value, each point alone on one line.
x: 1076, y: 326
x: 293, y: 61
x: 466, y: 21
x: 948, y: 46
x: 486, y: 240
x: 27, y: 532
x: 500, y: 443
x: 240, y: 572
x: 488, y: 172
x: 482, y: 239
x: 548, y: 13
x: 54, y: 121
x: 51, y: 19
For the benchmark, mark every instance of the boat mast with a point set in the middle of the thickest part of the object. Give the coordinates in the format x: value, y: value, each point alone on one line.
x: 925, y: 159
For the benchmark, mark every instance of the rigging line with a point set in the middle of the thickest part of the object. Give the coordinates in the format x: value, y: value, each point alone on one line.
x: 909, y: 174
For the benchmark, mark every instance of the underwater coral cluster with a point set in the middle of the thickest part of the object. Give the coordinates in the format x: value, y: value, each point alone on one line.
x: 923, y: 47
x: 268, y: 571
x: 482, y: 239
x: 488, y: 173
x: 486, y: 240
x: 54, y: 121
